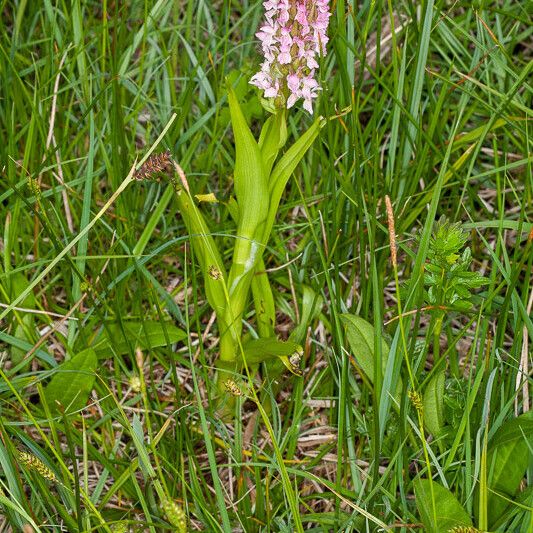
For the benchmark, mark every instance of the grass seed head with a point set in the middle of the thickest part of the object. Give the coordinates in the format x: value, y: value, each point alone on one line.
x: 154, y: 165
x: 175, y: 515
x: 416, y: 400
x: 35, y: 464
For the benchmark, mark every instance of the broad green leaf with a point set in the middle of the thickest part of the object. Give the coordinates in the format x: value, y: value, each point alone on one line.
x: 259, y: 350
x: 115, y: 339
x: 442, y: 512
x: 434, y: 404
x: 508, y: 457
x: 360, y: 335
x: 18, y: 284
x: 72, y: 382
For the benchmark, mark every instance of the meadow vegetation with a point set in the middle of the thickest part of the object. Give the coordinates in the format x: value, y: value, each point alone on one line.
x: 399, y: 271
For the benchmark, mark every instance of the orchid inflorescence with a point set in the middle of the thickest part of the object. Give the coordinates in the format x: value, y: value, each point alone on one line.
x: 293, y: 36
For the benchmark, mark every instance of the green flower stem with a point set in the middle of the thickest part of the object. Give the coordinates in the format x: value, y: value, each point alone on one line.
x: 265, y: 310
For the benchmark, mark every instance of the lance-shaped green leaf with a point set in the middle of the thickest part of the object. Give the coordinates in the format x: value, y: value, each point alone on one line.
x: 260, y: 350
x: 265, y: 309
x: 360, y: 335
x: 119, y: 339
x: 251, y: 188
x: 508, y: 457
x: 205, y: 250
x: 272, y: 139
x: 284, y: 169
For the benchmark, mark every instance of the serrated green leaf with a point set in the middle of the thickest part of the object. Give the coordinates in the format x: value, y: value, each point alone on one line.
x: 441, y: 512
x: 72, y: 382
x: 118, y: 340
x: 434, y: 404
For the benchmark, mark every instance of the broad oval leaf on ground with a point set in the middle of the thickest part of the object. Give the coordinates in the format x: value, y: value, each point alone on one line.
x: 72, y: 382
x: 434, y: 404
x: 508, y: 457
x: 120, y: 339
x: 442, y: 512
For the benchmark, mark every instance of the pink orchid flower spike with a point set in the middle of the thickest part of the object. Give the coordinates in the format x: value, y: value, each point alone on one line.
x: 293, y: 35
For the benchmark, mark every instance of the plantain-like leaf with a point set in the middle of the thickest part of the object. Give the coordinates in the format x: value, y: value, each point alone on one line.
x: 118, y: 340
x: 18, y: 284
x: 434, y: 404
x: 508, y: 456
x: 360, y: 335
x: 441, y: 513
x: 72, y: 382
